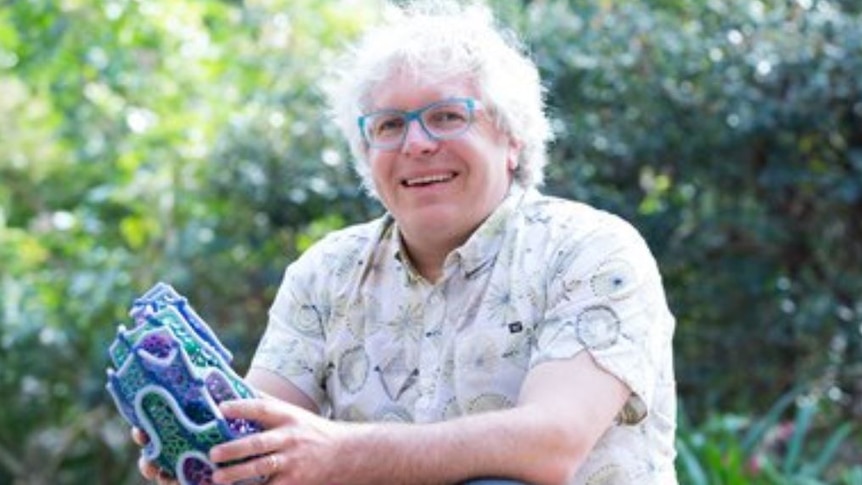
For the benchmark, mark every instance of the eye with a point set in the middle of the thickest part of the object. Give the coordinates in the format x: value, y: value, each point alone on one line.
x: 447, y: 118
x: 447, y: 115
x: 387, y: 125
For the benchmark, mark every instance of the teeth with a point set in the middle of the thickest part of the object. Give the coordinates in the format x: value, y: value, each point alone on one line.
x: 428, y: 180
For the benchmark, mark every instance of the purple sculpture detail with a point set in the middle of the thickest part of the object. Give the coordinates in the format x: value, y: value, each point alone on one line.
x: 170, y: 373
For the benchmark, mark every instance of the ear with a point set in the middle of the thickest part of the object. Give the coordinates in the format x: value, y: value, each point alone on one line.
x: 513, y: 158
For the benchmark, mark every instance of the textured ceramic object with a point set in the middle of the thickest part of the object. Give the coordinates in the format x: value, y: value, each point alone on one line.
x: 170, y: 372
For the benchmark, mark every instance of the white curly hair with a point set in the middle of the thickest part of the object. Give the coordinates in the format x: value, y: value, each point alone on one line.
x: 445, y: 39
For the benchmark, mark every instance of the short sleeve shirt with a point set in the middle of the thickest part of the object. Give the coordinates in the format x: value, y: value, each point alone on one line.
x: 368, y: 339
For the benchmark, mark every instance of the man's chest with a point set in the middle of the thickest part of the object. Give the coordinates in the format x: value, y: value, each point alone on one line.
x: 430, y: 352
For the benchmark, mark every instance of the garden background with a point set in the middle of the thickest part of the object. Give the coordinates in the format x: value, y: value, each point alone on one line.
x: 187, y: 141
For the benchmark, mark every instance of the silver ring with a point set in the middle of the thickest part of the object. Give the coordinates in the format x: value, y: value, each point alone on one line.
x: 273, y: 464
x: 261, y: 480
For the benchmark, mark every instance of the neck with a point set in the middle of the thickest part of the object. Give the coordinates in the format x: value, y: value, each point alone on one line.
x: 427, y: 254
x: 428, y: 246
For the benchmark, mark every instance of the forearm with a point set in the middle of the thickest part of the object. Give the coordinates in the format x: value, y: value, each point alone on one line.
x: 542, y: 440
x: 520, y: 443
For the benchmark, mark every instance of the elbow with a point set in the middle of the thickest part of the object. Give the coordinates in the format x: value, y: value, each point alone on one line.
x: 561, y: 459
x: 555, y: 471
x: 561, y: 470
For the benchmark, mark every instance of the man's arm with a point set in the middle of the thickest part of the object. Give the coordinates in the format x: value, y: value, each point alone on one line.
x: 280, y: 388
x: 564, y: 408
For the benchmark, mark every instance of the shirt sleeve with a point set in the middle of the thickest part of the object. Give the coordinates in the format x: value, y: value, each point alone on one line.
x: 293, y: 344
x: 605, y: 296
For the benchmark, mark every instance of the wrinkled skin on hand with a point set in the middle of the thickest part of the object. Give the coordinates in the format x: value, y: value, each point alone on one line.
x: 295, y: 447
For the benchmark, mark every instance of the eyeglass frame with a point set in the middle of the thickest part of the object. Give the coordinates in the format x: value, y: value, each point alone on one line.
x: 472, y: 105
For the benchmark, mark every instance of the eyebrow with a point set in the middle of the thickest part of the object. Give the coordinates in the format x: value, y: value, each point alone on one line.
x: 376, y: 109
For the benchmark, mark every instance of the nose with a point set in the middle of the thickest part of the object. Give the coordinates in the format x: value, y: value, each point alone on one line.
x: 417, y: 140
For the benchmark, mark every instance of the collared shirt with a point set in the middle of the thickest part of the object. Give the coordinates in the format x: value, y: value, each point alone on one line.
x: 368, y: 339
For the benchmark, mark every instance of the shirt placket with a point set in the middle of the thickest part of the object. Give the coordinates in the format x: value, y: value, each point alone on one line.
x: 427, y: 407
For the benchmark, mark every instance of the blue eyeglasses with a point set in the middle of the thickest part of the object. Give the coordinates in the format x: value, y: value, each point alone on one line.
x: 441, y: 120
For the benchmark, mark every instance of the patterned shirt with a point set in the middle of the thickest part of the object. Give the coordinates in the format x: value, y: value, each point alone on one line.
x: 368, y: 339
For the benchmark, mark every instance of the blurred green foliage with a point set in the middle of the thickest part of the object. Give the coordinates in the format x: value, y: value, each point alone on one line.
x: 731, y: 133
x: 733, y: 449
x: 187, y: 141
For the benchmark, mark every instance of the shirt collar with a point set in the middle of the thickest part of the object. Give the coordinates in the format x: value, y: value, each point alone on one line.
x: 483, y: 246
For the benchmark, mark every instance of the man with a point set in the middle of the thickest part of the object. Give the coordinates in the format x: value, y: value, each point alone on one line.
x: 479, y: 328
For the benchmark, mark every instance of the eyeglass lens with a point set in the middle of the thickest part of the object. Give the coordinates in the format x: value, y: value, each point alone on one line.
x: 444, y: 119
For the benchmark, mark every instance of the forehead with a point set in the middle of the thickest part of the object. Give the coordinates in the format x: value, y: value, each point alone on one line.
x: 405, y: 90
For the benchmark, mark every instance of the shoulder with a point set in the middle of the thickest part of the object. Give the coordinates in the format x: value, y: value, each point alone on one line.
x: 341, y: 250
x: 564, y: 220
x: 349, y: 239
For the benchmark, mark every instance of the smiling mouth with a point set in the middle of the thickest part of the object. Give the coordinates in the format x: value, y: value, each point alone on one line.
x: 429, y: 180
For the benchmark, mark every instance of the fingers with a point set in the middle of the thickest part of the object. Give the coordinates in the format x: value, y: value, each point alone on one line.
x: 259, y: 454
x: 151, y: 472
x: 257, y: 444
x: 147, y: 468
x: 267, y: 412
x: 256, y: 455
x: 139, y: 437
x: 264, y: 466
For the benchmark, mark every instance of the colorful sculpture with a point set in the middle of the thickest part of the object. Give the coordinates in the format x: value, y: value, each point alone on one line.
x: 171, y: 374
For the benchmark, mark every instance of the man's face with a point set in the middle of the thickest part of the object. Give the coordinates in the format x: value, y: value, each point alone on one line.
x: 440, y: 188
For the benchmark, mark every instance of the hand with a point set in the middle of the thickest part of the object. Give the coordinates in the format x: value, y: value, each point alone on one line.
x: 295, y: 447
x: 147, y: 468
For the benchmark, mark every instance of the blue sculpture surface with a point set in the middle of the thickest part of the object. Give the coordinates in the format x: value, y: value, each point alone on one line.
x: 170, y: 373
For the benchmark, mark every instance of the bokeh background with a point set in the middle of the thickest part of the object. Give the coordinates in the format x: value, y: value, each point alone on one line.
x: 187, y: 141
